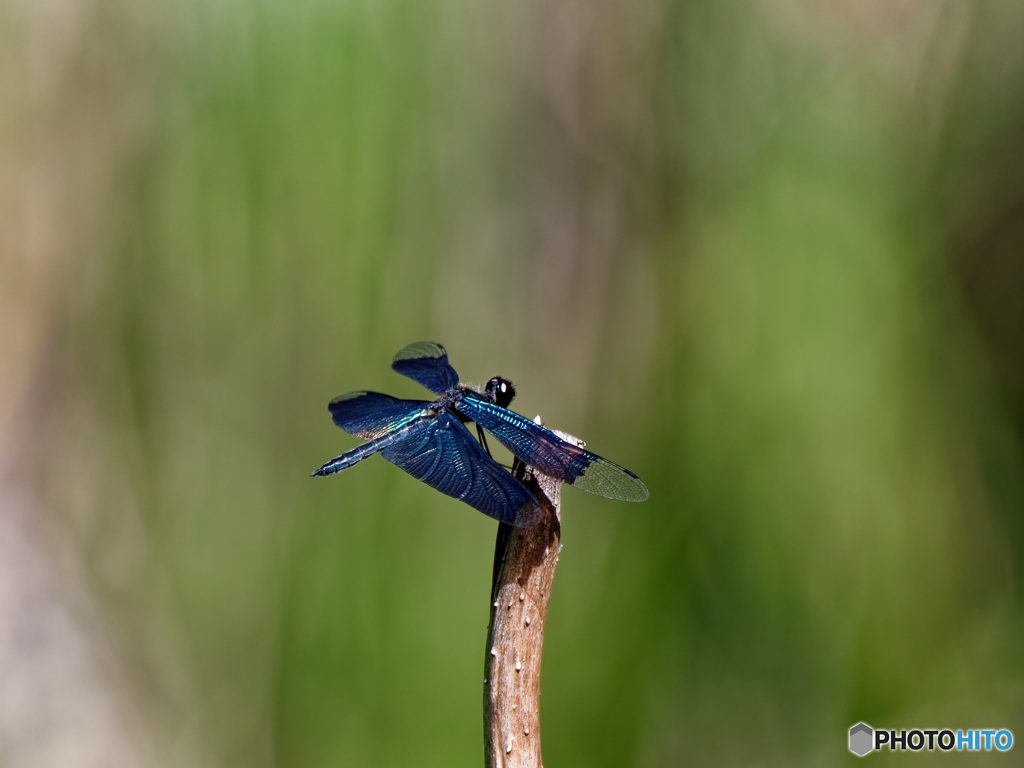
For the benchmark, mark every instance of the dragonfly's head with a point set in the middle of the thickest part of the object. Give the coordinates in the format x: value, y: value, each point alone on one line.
x: 500, y: 391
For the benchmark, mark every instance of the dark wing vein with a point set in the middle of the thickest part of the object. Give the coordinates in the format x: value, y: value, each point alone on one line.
x: 426, y: 362
x: 547, y: 452
x: 445, y: 456
x: 371, y: 414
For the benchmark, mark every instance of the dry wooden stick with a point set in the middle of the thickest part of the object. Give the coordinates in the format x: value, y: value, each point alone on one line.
x: 524, y: 570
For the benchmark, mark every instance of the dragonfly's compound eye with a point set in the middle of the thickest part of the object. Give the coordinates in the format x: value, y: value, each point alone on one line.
x: 500, y: 391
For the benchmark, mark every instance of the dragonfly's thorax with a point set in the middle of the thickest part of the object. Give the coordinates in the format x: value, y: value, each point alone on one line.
x: 497, y: 391
x: 448, y: 400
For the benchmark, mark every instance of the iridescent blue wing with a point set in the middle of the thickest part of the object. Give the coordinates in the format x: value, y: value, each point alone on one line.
x: 541, y: 448
x: 445, y: 456
x: 371, y: 414
x: 426, y: 363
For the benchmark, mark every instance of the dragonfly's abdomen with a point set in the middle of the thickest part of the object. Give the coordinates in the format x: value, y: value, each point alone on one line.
x: 364, y: 451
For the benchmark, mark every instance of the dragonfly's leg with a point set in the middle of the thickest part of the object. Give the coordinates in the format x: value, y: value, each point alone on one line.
x: 518, y: 469
x: 483, y: 439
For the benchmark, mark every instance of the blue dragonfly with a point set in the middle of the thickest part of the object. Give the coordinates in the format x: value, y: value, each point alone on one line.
x: 430, y: 441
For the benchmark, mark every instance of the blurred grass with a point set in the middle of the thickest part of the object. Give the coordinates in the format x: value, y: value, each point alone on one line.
x: 736, y: 248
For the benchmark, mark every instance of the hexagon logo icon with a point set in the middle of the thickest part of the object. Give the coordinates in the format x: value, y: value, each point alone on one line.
x: 862, y: 738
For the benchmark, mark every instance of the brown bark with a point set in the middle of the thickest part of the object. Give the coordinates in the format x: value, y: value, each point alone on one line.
x: 524, y: 570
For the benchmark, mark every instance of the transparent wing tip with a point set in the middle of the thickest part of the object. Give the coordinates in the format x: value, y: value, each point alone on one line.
x: 419, y: 350
x: 636, y: 491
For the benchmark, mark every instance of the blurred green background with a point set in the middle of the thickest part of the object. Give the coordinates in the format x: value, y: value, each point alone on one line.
x: 770, y: 256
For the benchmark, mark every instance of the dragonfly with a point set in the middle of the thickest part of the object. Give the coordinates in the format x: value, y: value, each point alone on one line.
x: 430, y: 441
